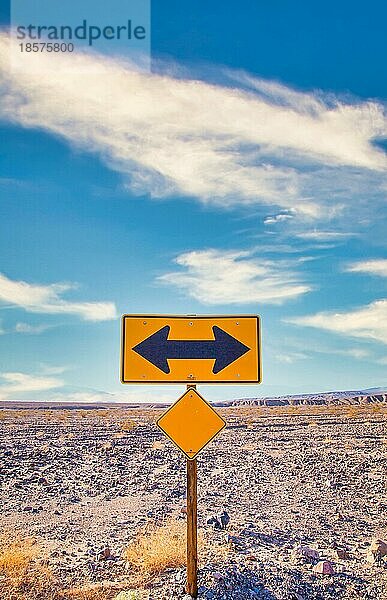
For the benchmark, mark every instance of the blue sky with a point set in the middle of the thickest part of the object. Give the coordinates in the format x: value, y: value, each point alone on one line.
x: 245, y: 174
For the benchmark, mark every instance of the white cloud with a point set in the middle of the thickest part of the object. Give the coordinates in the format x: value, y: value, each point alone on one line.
x: 382, y: 361
x: 250, y: 142
x: 280, y: 218
x: 324, y: 236
x: 47, y: 299
x: 92, y: 397
x: 22, y: 382
x: 370, y: 267
x: 46, y: 369
x: 30, y: 329
x: 357, y: 353
x: 291, y: 357
x: 135, y: 396
x: 366, y: 322
x: 152, y: 395
x: 300, y: 346
x: 231, y: 277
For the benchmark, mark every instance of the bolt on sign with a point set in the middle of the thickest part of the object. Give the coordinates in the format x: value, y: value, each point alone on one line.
x: 191, y: 423
x: 185, y: 349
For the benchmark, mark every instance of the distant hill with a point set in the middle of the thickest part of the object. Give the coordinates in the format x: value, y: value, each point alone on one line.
x: 102, y: 400
x: 370, y: 396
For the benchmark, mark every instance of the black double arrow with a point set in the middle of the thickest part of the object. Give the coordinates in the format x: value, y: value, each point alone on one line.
x: 224, y: 348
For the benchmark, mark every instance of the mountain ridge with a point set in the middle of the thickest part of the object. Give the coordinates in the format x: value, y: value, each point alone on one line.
x: 376, y: 395
x: 368, y: 396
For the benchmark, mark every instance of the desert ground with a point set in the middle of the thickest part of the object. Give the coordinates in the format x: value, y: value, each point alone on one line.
x: 304, y: 487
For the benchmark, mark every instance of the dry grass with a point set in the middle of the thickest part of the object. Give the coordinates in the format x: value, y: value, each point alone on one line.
x: 16, y: 556
x: 133, y: 595
x: 127, y: 425
x: 23, y: 575
x: 89, y: 592
x: 158, y: 548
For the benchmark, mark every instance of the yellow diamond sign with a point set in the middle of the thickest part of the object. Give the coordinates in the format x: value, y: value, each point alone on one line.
x: 191, y: 423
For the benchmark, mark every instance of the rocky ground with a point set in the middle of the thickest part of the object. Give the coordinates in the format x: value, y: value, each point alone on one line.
x: 305, y: 492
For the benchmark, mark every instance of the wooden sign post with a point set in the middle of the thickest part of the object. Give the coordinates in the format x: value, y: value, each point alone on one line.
x: 192, y: 529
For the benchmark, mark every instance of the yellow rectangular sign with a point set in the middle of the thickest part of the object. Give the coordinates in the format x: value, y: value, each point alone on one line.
x: 190, y: 349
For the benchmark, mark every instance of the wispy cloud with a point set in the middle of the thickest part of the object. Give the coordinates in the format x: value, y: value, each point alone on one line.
x: 370, y: 267
x: 289, y: 358
x: 365, y: 322
x: 31, y: 329
x: 358, y: 353
x: 46, y: 369
x: 306, y: 346
x: 82, y: 397
x: 231, y: 277
x: 324, y: 236
x: 140, y: 396
x: 245, y: 142
x: 280, y: 218
x: 16, y: 382
x: 47, y: 299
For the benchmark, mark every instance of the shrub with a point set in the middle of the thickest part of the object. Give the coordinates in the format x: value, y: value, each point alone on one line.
x: 22, y: 573
x: 24, y: 576
x: 158, y: 548
x: 127, y: 425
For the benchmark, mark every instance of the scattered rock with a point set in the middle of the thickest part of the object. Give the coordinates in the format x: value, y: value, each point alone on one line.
x: 304, y: 552
x: 224, y: 519
x: 378, y: 548
x: 108, y: 446
x: 270, y: 478
x: 214, y: 521
x: 324, y: 567
x: 104, y: 553
x: 342, y: 554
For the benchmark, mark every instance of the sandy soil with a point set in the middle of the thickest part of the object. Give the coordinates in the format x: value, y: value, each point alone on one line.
x: 308, y: 477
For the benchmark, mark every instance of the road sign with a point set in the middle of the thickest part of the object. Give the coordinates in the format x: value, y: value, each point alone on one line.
x: 190, y: 349
x: 191, y: 423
